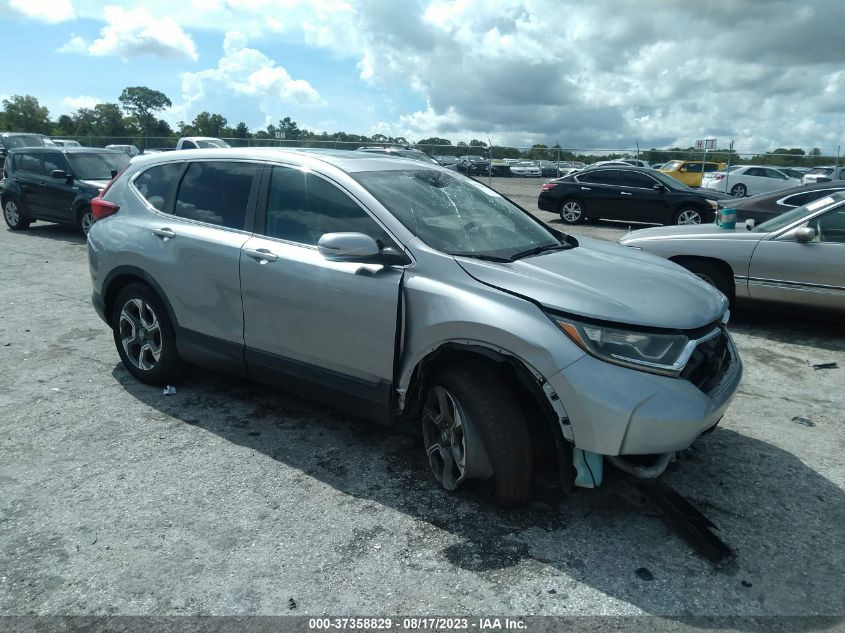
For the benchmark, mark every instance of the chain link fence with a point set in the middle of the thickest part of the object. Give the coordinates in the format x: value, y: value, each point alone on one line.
x: 654, y: 157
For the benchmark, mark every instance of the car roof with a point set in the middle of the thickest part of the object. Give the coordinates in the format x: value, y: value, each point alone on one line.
x: 351, y: 161
x: 63, y: 150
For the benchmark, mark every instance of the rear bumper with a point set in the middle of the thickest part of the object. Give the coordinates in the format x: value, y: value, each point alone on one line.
x: 614, y: 410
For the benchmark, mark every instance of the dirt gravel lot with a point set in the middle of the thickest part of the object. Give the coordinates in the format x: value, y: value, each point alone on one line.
x: 229, y: 498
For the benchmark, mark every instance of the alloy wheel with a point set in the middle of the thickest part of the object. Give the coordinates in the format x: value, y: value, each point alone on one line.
x: 689, y: 216
x: 571, y: 212
x: 444, y: 437
x: 11, y: 212
x: 140, y: 334
x: 86, y: 221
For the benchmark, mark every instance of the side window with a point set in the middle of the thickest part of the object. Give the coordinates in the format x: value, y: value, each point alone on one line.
x: 636, y: 179
x: 302, y: 207
x: 754, y: 171
x: 189, y: 145
x: 600, y: 176
x: 693, y: 168
x: 711, y: 167
x: 771, y: 173
x: 54, y: 160
x: 830, y: 227
x: 31, y: 163
x: 157, y: 184
x: 216, y: 192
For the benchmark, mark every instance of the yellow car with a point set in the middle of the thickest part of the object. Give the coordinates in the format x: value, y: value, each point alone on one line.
x: 689, y: 171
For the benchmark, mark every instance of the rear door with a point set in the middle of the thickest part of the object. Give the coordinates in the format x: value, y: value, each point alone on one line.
x: 309, y: 321
x: 193, y: 248
x: 599, y: 191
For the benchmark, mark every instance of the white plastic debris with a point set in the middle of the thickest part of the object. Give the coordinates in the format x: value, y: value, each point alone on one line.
x: 169, y: 390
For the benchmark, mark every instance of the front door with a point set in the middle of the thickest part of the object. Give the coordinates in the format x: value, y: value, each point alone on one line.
x: 805, y: 273
x: 57, y: 194
x: 326, y: 329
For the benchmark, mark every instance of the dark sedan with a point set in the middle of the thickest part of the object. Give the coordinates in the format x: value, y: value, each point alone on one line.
x: 473, y: 165
x: 627, y: 193
x: 768, y: 205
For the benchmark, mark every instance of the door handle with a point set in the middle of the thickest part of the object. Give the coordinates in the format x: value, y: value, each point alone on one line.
x: 625, y: 193
x: 586, y: 189
x: 164, y: 233
x: 261, y: 255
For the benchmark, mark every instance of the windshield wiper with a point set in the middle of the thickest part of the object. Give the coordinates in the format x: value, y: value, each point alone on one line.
x: 486, y: 258
x: 539, y: 249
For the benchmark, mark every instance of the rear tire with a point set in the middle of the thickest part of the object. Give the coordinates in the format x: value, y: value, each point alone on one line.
x: 713, y: 275
x: 489, y: 425
x: 571, y: 211
x: 13, y: 215
x: 739, y: 191
x: 144, y: 336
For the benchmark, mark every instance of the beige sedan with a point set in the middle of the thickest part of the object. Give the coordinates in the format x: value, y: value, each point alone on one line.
x: 795, y: 258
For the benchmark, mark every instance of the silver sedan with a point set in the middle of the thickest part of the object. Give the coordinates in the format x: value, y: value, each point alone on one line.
x: 795, y: 258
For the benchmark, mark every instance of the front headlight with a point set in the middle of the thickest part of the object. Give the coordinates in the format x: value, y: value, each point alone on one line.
x: 658, y: 353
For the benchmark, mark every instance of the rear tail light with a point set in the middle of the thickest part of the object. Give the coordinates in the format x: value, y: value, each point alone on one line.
x: 717, y: 176
x: 548, y: 186
x: 103, y: 208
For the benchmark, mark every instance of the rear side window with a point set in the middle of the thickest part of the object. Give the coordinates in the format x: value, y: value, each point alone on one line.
x: 302, y: 207
x: 158, y: 183
x: 216, y: 192
x: 636, y: 179
x: 31, y: 163
x: 600, y: 176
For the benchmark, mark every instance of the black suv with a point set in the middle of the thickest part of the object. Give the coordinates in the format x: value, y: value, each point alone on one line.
x: 56, y: 184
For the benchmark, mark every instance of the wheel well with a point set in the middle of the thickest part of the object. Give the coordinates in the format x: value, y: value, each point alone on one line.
x: 723, y: 267
x: 542, y: 422
x: 126, y: 277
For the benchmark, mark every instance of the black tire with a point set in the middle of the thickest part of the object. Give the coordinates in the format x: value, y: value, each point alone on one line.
x: 739, y: 190
x: 489, y: 408
x: 688, y: 215
x: 571, y: 211
x: 713, y: 275
x: 169, y: 366
x: 14, y: 217
x: 85, y: 220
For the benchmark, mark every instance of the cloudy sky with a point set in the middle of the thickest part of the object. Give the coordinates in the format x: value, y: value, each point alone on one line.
x: 599, y: 74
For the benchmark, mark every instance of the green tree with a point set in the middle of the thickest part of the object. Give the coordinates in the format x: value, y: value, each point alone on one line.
x: 84, y: 122
x: 65, y: 126
x: 290, y: 129
x: 241, y: 131
x: 23, y: 113
x: 142, y: 103
x: 207, y: 124
x: 109, y: 121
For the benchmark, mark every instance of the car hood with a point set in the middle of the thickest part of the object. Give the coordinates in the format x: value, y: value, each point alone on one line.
x: 604, y: 281
x: 691, y: 232
x: 97, y: 184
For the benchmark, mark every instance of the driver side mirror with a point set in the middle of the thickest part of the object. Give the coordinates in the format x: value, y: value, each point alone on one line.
x: 659, y: 188
x: 59, y: 173
x: 359, y: 248
x: 804, y: 234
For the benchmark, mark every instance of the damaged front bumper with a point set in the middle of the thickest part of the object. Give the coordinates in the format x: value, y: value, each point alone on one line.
x: 615, y: 411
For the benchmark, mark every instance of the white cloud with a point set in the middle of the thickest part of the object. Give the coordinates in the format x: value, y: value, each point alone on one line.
x: 248, y: 71
x: 53, y: 11
x: 132, y: 32
x: 82, y: 101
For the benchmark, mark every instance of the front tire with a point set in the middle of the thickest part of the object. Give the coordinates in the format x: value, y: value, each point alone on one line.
x: 688, y: 215
x: 15, y: 219
x: 571, y: 211
x: 474, y: 430
x: 739, y: 191
x: 86, y: 220
x: 144, y: 336
x: 713, y: 275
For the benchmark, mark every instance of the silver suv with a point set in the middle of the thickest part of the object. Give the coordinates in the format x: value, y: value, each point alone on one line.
x: 407, y: 293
